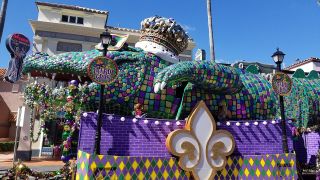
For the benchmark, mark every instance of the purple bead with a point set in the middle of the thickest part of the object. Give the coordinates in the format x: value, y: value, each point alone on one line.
x: 63, y: 158
x: 74, y: 82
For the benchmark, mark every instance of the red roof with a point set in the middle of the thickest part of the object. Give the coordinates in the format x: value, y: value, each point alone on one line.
x: 300, y: 63
x: 12, y: 117
x: 2, y: 72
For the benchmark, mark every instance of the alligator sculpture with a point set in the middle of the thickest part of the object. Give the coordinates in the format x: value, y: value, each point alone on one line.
x: 171, y: 90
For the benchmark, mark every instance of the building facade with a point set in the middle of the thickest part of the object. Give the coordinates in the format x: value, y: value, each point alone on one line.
x: 11, y: 98
x: 307, y: 65
x: 65, y: 28
x: 200, y: 54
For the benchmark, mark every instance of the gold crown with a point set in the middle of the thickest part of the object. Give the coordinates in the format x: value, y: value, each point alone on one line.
x: 165, y: 32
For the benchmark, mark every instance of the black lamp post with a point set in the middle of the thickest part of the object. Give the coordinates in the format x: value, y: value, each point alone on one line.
x: 105, y: 41
x: 278, y: 57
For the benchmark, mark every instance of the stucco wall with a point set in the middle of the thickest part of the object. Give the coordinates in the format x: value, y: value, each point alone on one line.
x: 9, y: 102
x: 12, y: 99
x: 48, y: 14
x: 50, y: 45
x: 4, y: 116
x: 45, y: 14
x: 12, y: 130
x: 306, y: 67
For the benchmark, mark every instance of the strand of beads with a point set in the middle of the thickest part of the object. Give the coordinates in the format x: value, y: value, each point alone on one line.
x: 69, y: 136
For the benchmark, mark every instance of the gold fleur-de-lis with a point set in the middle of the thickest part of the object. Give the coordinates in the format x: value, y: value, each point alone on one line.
x: 200, y: 147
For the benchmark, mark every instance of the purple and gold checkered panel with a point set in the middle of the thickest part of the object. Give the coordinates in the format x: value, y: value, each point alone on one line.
x: 125, y: 167
x: 278, y: 166
x: 83, y: 160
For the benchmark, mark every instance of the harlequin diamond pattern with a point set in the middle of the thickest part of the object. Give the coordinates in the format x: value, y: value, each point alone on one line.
x: 259, y: 167
x: 125, y: 167
x: 280, y: 166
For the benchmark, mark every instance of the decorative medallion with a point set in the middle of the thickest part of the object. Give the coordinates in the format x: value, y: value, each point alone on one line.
x: 102, y: 70
x: 200, y: 147
x: 281, y: 84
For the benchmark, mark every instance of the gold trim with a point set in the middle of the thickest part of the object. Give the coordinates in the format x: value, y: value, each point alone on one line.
x: 120, y: 43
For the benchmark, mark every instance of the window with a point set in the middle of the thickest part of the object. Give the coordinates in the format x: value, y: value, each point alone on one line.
x: 72, y: 19
x: 69, y: 47
x: 79, y: 20
x: 15, y: 88
x: 64, y: 18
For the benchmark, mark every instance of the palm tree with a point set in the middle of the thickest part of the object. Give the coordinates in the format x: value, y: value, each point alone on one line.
x: 3, y: 16
x: 212, y: 54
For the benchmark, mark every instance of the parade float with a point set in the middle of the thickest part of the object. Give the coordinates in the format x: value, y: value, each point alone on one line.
x: 165, y: 120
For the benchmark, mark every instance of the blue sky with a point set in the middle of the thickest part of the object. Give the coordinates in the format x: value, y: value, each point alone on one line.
x: 243, y: 30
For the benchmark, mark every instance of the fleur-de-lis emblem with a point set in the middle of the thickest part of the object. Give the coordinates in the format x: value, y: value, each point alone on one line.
x: 202, y: 149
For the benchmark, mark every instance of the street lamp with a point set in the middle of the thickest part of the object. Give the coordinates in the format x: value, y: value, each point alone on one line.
x: 278, y: 57
x: 106, y: 39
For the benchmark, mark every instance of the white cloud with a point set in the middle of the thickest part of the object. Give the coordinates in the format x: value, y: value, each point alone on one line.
x: 187, y: 27
x: 220, y: 61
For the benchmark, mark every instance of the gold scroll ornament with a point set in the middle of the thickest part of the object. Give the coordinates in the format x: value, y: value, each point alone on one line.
x: 201, y: 148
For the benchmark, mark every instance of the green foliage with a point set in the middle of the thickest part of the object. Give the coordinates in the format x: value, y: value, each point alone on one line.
x: 50, y: 101
x: 64, y: 104
x: 6, y: 146
x: 22, y: 171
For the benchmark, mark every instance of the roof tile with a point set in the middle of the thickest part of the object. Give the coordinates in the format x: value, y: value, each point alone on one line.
x: 2, y: 72
x: 299, y: 63
x: 13, y: 117
x: 78, y: 8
